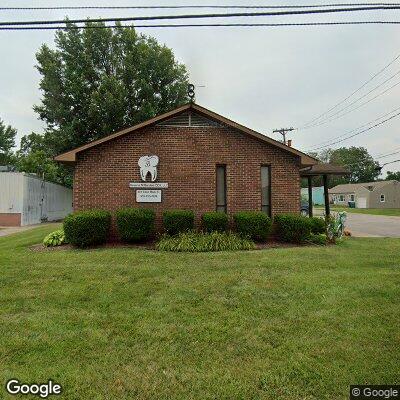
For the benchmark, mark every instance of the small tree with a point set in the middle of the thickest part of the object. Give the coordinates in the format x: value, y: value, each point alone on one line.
x: 7, y: 142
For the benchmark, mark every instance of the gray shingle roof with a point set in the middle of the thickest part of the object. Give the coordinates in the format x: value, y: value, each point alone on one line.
x: 353, y: 187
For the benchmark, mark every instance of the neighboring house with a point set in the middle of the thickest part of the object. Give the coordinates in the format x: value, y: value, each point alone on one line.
x: 382, y: 194
x: 26, y: 199
x: 317, y: 194
x: 188, y: 158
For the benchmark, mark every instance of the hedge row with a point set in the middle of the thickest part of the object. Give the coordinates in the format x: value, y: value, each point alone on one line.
x: 86, y: 228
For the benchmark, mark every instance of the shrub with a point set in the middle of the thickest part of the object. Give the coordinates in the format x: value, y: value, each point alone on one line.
x: 56, y: 238
x: 201, y: 242
x: 317, y: 225
x: 177, y: 221
x: 253, y: 224
x: 135, y: 224
x: 215, y: 221
x: 320, y: 239
x: 86, y: 228
x: 292, y: 227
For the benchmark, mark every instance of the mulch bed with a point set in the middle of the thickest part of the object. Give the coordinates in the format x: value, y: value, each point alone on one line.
x: 270, y: 244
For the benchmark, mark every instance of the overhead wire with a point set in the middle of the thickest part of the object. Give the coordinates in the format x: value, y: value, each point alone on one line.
x: 191, y: 6
x: 208, y: 15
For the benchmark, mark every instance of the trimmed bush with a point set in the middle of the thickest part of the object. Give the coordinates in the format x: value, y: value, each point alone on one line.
x: 201, y: 242
x: 317, y: 225
x: 86, y: 228
x: 215, y: 221
x: 177, y: 221
x: 320, y: 239
x: 255, y: 225
x: 292, y: 228
x: 135, y: 224
x: 56, y: 238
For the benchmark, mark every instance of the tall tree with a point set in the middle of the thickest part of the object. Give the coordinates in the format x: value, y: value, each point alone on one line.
x: 393, y: 176
x: 7, y: 142
x: 359, y: 162
x: 97, y: 81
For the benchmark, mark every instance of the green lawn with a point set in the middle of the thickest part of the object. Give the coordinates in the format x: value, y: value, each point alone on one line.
x: 297, y: 323
x: 374, y: 211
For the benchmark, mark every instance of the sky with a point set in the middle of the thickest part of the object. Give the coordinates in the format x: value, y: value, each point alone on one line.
x: 264, y: 78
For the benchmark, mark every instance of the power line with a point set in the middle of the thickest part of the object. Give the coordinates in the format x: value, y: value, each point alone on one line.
x: 245, y: 25
x: 197, y: 16
x: 232, y: 6
x: 359, y: 133
x: 355, y: 129
x: 353, y: 102
x: 353, y: 93
x: 359, y: 106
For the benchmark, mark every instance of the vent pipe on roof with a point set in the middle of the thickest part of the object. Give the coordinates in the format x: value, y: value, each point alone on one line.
x: 289, y: 142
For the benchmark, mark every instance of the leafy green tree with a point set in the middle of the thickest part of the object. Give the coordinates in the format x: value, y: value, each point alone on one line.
x: 98, y: 81
x: 7, y: 142
x: 393, y: 176
x: 357, y: 160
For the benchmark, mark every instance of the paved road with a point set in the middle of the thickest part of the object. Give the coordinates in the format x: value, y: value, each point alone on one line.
x: 364, y: 225
x: 367, y: 225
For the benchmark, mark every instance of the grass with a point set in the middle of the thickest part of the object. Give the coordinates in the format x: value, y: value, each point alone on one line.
x: 295, y: 323
x: 395, y: 212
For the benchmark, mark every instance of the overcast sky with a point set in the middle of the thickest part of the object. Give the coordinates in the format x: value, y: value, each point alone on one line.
x: 264, y: 78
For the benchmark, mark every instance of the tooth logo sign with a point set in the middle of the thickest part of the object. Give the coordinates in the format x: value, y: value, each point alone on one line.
x: 148, y: 165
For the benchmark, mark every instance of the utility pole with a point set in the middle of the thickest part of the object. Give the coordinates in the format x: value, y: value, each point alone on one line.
x: 283, y: 132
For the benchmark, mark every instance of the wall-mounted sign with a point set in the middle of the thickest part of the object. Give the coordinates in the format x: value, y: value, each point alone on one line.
x: 148, y: 165
x: 148, y: 185
x: 146, y: 191
x: 148, y: 196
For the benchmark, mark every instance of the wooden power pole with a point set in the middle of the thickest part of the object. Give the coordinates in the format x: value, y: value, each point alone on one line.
x: 283, y: 132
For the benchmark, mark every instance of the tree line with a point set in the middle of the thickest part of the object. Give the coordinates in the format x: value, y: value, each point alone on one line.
x: 93, y: 83
x: 98, y: 81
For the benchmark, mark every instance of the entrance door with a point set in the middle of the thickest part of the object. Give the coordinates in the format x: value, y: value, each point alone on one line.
x: 362, y: 202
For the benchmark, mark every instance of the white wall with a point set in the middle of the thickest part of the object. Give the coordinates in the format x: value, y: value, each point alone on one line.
x: 34, y: 198
x: 11, y: 192
x: 44, y: 201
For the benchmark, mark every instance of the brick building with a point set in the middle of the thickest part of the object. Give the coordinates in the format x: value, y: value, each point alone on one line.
x: 188, y: 158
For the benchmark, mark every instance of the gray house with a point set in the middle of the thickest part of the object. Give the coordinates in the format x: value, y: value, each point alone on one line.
x: 382, y: 194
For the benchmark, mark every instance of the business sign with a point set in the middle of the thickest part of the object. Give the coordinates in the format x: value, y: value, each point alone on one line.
x: 148, y: 185
x: 147, y: 192
x: 148, y: 166
x: 148, y: 196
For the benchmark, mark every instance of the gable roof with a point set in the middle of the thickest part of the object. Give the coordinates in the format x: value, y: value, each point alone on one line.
x: 354, y: 187
x: 69, y: 157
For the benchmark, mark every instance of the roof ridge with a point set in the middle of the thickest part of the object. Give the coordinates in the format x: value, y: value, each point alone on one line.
x: 70, y: 156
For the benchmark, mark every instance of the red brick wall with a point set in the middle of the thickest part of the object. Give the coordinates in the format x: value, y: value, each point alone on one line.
x: 10, y: 219
x: 188, y: 158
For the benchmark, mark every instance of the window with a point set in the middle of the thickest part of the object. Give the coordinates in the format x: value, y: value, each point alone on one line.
x: 221, y: 188
x: 266, y: 189
x: 383, y: 199
x: 352, y: 197
x: 341, y: 197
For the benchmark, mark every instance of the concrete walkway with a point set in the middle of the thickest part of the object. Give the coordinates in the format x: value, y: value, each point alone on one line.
x: 9, y: 230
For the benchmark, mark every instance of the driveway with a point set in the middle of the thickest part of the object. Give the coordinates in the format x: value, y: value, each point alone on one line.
x: 9, y: 230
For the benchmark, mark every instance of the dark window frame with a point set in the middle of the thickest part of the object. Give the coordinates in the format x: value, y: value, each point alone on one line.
x: 225, y: 205
x: 269, y: 191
